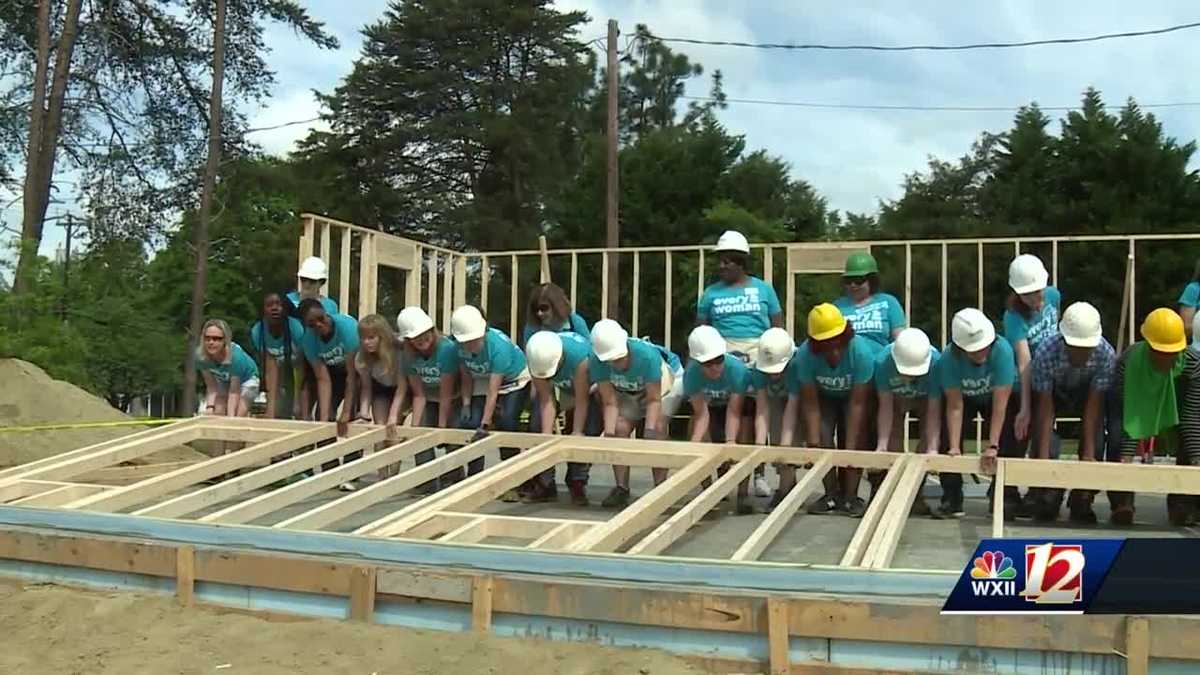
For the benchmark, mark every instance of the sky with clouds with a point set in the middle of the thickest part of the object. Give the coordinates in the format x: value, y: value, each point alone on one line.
x: 854, y: 158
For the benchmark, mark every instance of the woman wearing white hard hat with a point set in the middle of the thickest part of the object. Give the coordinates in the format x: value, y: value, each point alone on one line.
x: 716, y: 383
x: 776, y: 401
x: 312, y: 275
x: 906, y: 381
x: 640, y: 385
x: 433, y: 378
x: 1030, y: 317
x: 741, y: 307
x: 1073, y: 374
x: 558, y: 361
x: 977, y: 376
x: 486, y: 352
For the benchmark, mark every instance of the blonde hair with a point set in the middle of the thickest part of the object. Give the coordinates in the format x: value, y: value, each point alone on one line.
x: 379, y: 326
x: 227, y: 345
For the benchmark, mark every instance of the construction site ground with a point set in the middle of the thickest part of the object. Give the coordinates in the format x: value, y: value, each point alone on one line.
x: 51, y: 629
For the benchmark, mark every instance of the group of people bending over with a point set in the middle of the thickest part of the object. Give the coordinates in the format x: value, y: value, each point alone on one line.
x: 848, y: 385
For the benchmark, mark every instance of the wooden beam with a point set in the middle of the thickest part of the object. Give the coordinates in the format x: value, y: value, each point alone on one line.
x: 344, y: 270
x: 185, y: 575
x: 460, y: 281
x: 448, y: 289
x: 777, y: 636
x: 71, y: 464
x: 474, y: 531
x: 998, y: 500
x: 131, y: 473
x: 270, y: 502
x: 1154, y: 479
x: 231, y: 433
x: 97, y: 448
x: 481, y: 604
x: 350, y: 504
x: 637, y: 284
x: 144, y: 491
x: 774, y: 523
x: 362, y: 594
x: 870, y: 520
x: 574, y: 281
x: 883, y: 545
x: 544, y: 260
x: 228, y: 489
x: 431, y: 303
x: 627, y: 457
x: 677, y: 525
x: 62, y: 495
x: 667, y: 300
x: 485, y: 277
x: 326, y: 243
x: 514, y: 329
x: 642, y: 512
x: 604, y: 286
x: 700, y: 276
x: 439, y: 524
x: 1137, y: 645
x: 561, y: 537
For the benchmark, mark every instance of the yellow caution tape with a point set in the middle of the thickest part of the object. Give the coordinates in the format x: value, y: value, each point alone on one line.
x: 147, y: 422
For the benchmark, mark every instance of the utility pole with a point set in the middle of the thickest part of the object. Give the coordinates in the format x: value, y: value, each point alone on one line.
x: 613, y: 230
x: 67, y: 265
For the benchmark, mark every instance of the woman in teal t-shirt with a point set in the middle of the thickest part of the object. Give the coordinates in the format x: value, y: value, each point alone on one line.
x: 230, y: 375
x: 1189, y: 299
x: 275, y: 341
x: 1030, y: 317
x: 875, y: 315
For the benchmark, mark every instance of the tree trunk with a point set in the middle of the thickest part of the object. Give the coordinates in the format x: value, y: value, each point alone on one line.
x: 45, y: 122
x: 206, y: 197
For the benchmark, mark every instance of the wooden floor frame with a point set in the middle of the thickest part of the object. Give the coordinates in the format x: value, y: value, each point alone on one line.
x: 285, y: 459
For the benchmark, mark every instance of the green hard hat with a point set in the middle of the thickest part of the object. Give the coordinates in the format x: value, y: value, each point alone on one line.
x: 860, y: 265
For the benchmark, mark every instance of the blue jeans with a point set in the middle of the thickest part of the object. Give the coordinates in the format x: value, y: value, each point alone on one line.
x: 507, y: 417
x: 430, y: 419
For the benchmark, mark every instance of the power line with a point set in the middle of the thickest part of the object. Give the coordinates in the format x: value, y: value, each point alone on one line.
x: 936, y: 48
x: 918, y: 108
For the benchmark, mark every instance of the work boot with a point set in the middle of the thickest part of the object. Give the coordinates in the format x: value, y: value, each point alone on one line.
x: 1079, y: 507
x: 578, y: 490
x: 618, y: 498
x: 825, y: 505
x: 854, y: 507
x: 1122, y: 515
x: 1047, y: 505
x: 540, y: 492
x: 951, y: 508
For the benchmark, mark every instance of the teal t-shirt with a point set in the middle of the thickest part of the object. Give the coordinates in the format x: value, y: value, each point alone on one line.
x: 499, y: 356
x: 876, y: 318
x: 240, y: 366
x: 645, y: 367
x: 574, y: 324
x: 575, y: 350
x: 341, y: 342
x: 739, y: 312
x: 1191, y: 295
x: 330, y: 306
x: 1038, y: 326
x: 777, y: 386
x: 857, y: 366
x: 978, y: 381
x: 261, y: 340
x: 734, y: 379
x: 443, y: 361
x: 888, y: 379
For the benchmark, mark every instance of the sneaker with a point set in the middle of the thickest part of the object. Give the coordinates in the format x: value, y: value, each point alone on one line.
x: 578, y: 490
x: 511, y: 497
x: 348, y: 486
x: 540, y: 493
x: 854, y: 507
x: 948, y: 510
x: 826, y: 504
x: 617, y: 498
x: 761, y: 487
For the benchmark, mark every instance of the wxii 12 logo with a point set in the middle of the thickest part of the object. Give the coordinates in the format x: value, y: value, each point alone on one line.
x: 1053, y: 574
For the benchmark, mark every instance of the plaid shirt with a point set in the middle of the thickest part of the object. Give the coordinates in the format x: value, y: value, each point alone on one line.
x: 1052, y: 369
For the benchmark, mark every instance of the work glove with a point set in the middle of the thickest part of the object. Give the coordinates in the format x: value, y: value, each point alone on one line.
x: 479, y: 435
x: 464, y: 416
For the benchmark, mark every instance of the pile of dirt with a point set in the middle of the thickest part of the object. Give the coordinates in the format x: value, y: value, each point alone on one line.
x: 50, y: 629
x: 30, y: 397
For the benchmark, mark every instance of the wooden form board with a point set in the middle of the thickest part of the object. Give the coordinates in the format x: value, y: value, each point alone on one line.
x: 277, y: 468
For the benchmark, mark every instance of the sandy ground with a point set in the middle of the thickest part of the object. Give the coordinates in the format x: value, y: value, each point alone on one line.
x: 52, y: 629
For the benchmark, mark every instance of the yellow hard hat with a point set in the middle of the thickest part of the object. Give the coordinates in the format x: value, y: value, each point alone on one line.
x: 1163, y: 329
x: 825, y: 321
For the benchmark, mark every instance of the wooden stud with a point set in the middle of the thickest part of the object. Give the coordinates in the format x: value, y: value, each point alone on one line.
x: 1137, y: 645
x: 561, y: 536
x: 412, y: 280
x: 481, y: 604
x: 431, y: 303
x: 880, y: 501
x: 908, y: 282
x: 604, y: 286
x: 790, y: 292
x: 637, y: 271
x: 474, y: 531
x: 979, y: 273
x: 777, y: 636
x: 215, y: 494
x: 667, y: 299
x: 307, y: 243
x: 460, y: 281
x: 574, y: 281
x: 362, y: 594
x: 246, y: 511
x: 1054, y: 262
x: 485, y: 276
x: 326, y: 244
x: 883, y: 545
x: 944, y: 318
x: 344, y: 270
x: 998, y: 500
x: 700, y: 276
x: 144, y: 491
x: 768, y: 265
x: 448, y: 290
x: 677, y: 525
x: 366, y: 275
x: 514, y: 329
x: 1016, y: 248
x: 185, y: 575
x: 1132, y: 290
x: 622, y: 527
x: 774, y: 523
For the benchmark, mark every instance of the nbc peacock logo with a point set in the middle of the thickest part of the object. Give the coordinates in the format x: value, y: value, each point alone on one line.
x: 993, y: 574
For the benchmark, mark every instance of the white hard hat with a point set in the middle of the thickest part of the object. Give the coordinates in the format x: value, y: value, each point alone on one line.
x: 775, y: 349
x: 412, y: 321
x: 1027, y: 274
x: 544, y: 351
x: 912, y: 352
x: 705, y: 344
x: 313, y: 268
x: 467, y: 323
x: 732, y: 240
x: 609, y: 340
x: 972, y: 330
x: 1080, y: 325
